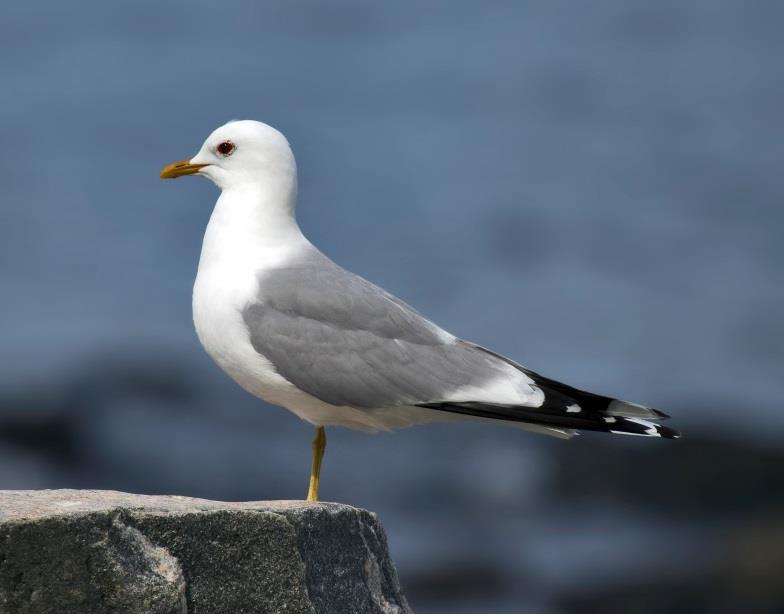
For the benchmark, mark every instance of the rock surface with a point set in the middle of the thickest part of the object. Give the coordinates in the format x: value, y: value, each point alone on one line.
x: 103, y: 551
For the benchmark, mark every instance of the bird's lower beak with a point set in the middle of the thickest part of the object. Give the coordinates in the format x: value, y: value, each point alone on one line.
x: 178, y: 169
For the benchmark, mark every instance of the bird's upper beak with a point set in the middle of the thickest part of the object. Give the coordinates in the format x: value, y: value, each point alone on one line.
x: 178, y: 169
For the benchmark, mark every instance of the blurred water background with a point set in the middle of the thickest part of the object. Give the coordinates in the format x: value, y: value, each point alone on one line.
x: 594, y: 189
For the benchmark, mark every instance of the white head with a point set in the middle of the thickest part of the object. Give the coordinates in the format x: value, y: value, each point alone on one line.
x: 243, y: 154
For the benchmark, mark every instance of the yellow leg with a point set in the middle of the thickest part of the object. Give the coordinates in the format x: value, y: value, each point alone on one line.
x: 319, y: 445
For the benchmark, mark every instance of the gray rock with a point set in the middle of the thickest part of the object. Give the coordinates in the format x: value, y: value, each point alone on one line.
x: 102, y: 551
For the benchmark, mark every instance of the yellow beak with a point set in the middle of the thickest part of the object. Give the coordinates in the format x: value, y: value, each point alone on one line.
x: 178, y: 169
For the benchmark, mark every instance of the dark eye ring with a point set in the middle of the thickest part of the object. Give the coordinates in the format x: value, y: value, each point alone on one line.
x: 226, y: 148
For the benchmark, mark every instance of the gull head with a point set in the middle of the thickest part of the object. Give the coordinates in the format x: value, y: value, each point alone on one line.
x: 241, y: 153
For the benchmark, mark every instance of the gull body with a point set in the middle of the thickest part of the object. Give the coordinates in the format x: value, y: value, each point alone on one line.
x: 253, y: 231
x: 296, y: 330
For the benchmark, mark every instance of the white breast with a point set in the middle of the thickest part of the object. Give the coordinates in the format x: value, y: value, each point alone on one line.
x: 235, y: 253
x: 232, y: 258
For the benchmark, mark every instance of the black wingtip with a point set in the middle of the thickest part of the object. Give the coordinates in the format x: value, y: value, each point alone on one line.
x: 668, y: 433
x: 636, y: 426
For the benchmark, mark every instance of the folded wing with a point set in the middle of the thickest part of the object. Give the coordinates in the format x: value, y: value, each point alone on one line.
x: 347, y: 342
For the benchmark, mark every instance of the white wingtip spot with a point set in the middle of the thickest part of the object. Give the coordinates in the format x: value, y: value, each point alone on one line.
x: 574, y: 408
x: 610, y: 419
x: 650, y: 427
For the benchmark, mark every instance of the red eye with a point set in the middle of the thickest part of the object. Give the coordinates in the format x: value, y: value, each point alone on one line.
x: 226, y: 148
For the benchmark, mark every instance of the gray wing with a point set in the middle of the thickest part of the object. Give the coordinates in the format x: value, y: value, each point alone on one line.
x: 348, y: 342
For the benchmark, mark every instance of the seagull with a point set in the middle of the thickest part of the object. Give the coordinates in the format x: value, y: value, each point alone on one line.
x: 296, y: 330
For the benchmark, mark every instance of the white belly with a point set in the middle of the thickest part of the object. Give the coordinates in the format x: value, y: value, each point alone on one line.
x: 217, y: 316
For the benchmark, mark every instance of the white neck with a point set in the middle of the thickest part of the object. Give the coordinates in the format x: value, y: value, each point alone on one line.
x: 253, y: 227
